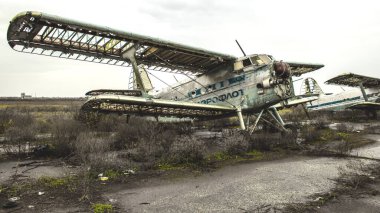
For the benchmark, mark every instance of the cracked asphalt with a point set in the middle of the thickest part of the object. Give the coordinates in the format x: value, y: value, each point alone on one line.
x: 242, y: 187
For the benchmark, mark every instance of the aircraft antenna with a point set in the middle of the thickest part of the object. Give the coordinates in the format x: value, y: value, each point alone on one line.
x: 240, y: 47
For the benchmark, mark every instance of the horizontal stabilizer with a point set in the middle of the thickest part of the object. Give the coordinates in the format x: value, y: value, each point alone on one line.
x: 296, y: 101
x: 302, y: 68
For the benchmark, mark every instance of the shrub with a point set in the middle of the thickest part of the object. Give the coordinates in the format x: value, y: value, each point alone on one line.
x: 187, y: 150
x: 310, y: 133
x: 235, y: 143
x: 138, y: 129
x: 109, y: 123
x: 354, y: 174
x: 94, y: 152
x: 167, y: 139
x: 17, y: 134
x: 321, y: 122
x: 344, y: 127
x: 10, y: 118
x: 64, y: 134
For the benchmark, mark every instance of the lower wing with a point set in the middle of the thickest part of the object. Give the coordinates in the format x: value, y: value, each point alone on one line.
x: 154, y: 107
x: 296, y: 101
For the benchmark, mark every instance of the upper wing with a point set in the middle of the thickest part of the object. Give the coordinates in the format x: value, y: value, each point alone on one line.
x: 301, y: 68
x: 44, y: 34
x: 353, y: 80
x: 154, y: 107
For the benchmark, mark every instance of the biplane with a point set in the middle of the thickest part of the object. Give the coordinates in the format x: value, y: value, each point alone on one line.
x: 219, y: 85
x: 366, y: 96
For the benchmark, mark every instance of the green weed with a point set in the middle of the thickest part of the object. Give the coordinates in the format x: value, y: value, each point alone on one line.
x: 102, y: 208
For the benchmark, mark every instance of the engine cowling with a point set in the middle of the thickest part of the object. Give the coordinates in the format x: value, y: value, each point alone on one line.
x: 281, y: 69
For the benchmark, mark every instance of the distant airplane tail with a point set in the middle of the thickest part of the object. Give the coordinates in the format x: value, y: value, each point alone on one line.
x: 310, y: 87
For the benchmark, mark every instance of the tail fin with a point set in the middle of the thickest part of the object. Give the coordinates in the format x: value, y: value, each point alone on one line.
x: 310, y: 87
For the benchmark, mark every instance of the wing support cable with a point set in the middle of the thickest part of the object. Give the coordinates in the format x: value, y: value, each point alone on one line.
x: 167, y: 84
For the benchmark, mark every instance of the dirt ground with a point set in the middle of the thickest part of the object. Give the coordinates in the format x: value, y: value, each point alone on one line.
x: 240, y: 187
x: 276, y: 181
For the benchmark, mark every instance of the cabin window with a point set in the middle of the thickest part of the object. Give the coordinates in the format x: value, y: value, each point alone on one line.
x: 246, y: 62
x: 198, y: 92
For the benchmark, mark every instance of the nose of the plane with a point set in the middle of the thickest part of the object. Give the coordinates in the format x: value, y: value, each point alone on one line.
x: 281, y: 69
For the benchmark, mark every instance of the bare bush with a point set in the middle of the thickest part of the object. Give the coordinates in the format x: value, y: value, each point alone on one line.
x: 343, y: 148
x: 235, y: 143
x: 18, y: 140
x: 43, y: 126
x: 187, y: 150
x: 11, y: 118
x: 321, y: 122
x: 138, y: 129
x: 167, y: 139
x: 109, y: 123
x: 373, y: 129
x: 64, y: 134
x: 310, y: 133
x: 182, y: 128
x: 17, y: 134
x: 18, y: 129
x: 342, y: 127
x: 94, y: 152
x: 354, y: 174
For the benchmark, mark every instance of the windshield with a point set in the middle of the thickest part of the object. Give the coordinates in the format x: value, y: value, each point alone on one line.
x: 259, y: 60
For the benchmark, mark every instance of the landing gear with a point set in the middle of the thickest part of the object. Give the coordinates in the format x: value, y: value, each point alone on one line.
x: 274, y: 120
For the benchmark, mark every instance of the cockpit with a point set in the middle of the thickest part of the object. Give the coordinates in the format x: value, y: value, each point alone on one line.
x: 252, y: 62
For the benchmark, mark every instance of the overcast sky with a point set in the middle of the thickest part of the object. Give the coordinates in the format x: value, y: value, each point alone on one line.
x: 343, y: 35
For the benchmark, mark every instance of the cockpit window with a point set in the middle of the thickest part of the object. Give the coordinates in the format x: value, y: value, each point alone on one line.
x: 253, y: 61
x: 259, y: 60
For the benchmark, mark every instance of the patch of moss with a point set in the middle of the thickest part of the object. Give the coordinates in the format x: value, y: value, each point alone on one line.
x: 343, y: 135
x: 168, y: 167
x: 112, y: 174
x: 220, y: 156
x: 255, y: 155
x: 16, y: 189
x: 330, y: 135
x: 56, y: 182
x: 102, y: 208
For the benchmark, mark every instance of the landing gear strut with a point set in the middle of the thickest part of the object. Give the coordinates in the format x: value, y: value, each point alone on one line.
x: 272, y: 112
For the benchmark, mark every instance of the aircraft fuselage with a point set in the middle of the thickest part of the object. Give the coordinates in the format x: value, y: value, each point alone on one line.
x: 253, y: 87
x: 341, y: 101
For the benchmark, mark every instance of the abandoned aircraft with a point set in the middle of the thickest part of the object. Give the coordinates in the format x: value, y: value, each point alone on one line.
x: 219, y: 85
x: 366, y: 95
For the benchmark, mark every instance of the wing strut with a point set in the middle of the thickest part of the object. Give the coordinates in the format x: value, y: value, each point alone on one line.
x: 363, y: 91
x: 130, y: 54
